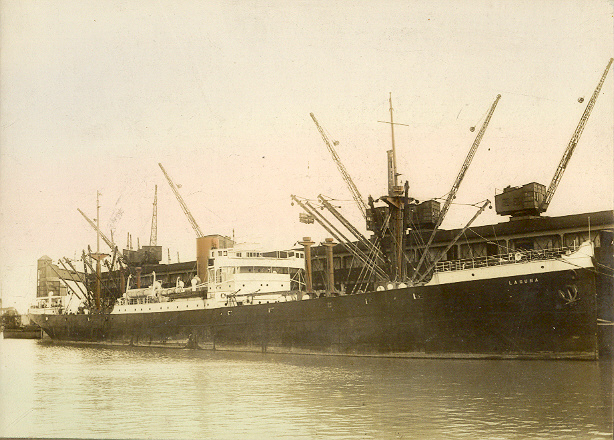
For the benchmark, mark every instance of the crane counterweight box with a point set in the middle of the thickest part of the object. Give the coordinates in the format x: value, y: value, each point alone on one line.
x: 521, y: 200
x: 428, y: 213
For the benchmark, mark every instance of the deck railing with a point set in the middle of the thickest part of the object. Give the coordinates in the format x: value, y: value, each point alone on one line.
x: 519, y: 256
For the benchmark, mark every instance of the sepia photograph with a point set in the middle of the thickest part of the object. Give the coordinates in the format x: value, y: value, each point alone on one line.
x: 372, y: 219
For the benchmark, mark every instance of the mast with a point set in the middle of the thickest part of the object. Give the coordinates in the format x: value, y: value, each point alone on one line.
x: 392, y: 154
x: 398, y: 229
x: 396, y: 202
x: 97, y: 250
x: 394, y: 151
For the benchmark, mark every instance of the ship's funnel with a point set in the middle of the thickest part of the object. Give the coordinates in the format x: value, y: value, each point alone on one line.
x: 204, y: 245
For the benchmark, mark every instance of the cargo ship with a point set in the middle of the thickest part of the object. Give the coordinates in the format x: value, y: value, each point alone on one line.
x: 534, y: 305
x: 412, y: 294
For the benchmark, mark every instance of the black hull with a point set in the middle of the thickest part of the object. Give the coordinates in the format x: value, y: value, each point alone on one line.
x: 532, y: 316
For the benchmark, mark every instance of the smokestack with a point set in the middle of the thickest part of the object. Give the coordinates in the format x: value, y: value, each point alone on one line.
x: 138, y: 277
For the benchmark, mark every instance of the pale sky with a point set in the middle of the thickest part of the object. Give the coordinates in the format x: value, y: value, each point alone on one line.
x: 95, y: 93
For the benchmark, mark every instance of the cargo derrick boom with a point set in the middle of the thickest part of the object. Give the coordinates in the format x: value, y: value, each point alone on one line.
x: 373, y: 253
x: 120, y: 258
x: 97, y: 229
x: 364, y: 240
x: 453, y: 242
x: 342, y: 239
x: 456, y: 185
x: 88, y: 298
x: 109, y: 298
x: 68, y: 286
x: 533, y: 198
x: 372, y: 259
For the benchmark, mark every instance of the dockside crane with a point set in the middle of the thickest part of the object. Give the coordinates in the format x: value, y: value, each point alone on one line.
x: 184, y: 207
x: 456, y: 185
x: 344, y: 173
x: 532, y: 199
x: 573, y: 141
x: 153, y: 238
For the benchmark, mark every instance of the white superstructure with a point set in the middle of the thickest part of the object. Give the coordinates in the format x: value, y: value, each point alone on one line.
x: 245, y: 276
x: 235, y: 277
x: 518, y: 263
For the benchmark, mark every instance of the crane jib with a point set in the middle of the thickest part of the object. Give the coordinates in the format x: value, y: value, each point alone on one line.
x: 574, y: 141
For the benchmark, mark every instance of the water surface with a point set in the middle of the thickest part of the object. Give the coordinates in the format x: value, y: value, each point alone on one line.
x: 51, y: 390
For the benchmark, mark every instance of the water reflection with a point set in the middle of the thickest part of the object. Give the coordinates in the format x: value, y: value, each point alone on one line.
x: 76, y: 391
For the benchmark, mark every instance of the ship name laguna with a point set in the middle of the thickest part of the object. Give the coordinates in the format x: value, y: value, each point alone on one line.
x: 523, y: 281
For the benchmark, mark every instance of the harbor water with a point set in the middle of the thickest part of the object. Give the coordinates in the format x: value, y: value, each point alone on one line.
x: 64, y: 391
